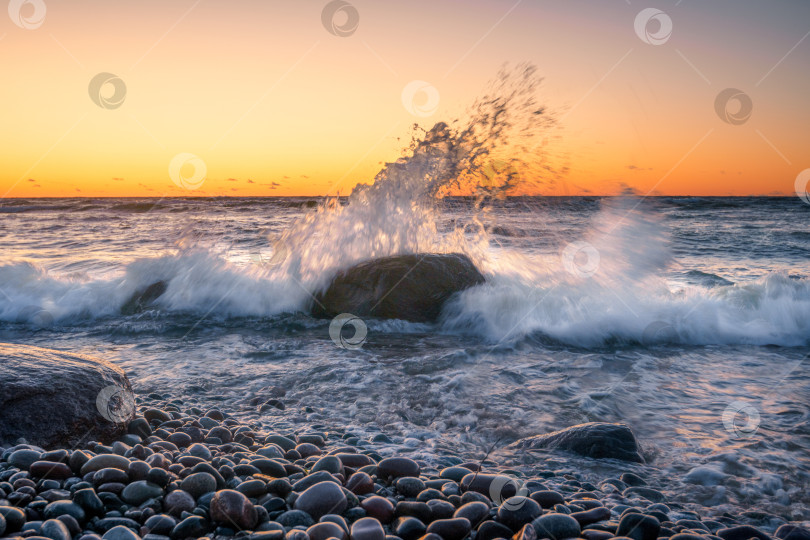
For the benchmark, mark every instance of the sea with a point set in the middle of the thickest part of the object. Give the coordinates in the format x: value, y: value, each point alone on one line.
x: 686, y: 318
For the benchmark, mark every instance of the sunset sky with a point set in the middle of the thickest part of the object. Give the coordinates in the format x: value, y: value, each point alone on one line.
x: 273, y: 103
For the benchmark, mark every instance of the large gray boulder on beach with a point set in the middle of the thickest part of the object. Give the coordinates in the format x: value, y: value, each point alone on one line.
x: 56, y: 399
x: 593, y: 439
x: 408, y: 287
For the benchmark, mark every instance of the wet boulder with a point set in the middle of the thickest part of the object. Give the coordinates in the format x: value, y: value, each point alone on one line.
x: 53, y: 398
x: 593, y: 439
x: 408, y: 287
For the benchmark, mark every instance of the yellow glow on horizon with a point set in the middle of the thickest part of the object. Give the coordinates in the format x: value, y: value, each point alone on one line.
x: 275, y: 105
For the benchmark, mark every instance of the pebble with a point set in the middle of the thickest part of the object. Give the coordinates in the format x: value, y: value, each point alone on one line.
x: 104, y: 461
x: 792, y: 532
x: 55, y: 530
x: 160, y: 524
x: 489, y: 530
x: 547, y: 498
x: 177, y: 502
x: 638, y: 527
x: 120, y: 533
x: 295, y: 518
x: 229, y: 506
x: 59, y: 508
x: 396, y: 467
x: 515, y: 512
x: 360, y: 483
x: 742, y: 532
x: 409, y: 528
x: 475, y: 512
x: 556, y: 526
x: 191, y: 527
x: 379, y: 508
x: 326, y: 530
x: 139, y: 492
x: 198, y: 484
x: 50, y: 469
x: 24, y: 458
x: 367, y: 528
x: 14, y: 518
x: 321, y: 499
x: 450, y: 529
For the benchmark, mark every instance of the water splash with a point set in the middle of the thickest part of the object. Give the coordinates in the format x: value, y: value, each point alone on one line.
x: 497, y: 149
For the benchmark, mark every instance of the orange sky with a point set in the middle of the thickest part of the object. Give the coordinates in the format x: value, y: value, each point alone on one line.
x: 274, y: 104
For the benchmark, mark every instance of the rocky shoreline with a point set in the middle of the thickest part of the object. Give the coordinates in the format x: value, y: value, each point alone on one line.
x: 177, y: 474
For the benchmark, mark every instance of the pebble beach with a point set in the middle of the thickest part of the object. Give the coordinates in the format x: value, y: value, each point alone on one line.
x: 181, y: 473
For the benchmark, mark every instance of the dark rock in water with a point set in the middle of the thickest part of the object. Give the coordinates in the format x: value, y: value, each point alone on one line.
x: 409, y: 287
x: 53, y: 399
x: 593, y: 439
x: 143, y: 298
x: 648, y: 493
